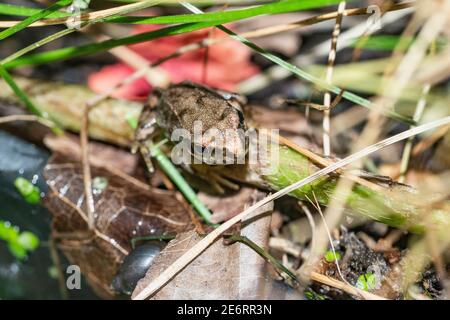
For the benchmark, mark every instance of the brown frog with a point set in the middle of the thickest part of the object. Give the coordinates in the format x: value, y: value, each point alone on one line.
x: 185, y: 105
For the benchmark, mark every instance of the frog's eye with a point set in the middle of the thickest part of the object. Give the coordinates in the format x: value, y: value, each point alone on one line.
x: 153, y: 99
x: 241, y: 117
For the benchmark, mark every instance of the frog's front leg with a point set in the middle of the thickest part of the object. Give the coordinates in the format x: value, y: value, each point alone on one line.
x: 144, y: 135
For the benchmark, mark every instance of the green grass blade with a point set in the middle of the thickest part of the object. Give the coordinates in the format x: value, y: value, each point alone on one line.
x: 179, y: 181
x: 210, y: 20
x: 20, y: 94
x: 238, y: 14
x: 36, y: 17
x: 15, y: 10
x: 73, y: 52
x: 64, y: 32
x: 27, y: 101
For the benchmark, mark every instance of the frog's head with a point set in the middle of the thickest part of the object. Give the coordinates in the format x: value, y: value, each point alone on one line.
x: 213, y: 118
x: 222, y: 146
x: 223, y: 138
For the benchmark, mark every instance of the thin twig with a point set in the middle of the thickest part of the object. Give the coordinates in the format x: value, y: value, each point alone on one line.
x: 344, y: 286
x: 86, y: 168
x: 57, y: 264
x: 83, y: 18
x: 429, y: 141
x: 27, y: 117
x: 316, y: 204
x: 418, y: 113
x: 263, y: 253
x: 157, y: 77
x: 329, y: 79
x: 286, y: 246
x: 420, y: 108
x: 311, y: 222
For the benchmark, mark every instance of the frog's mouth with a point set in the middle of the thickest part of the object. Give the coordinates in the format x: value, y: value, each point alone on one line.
x: 214, y: 153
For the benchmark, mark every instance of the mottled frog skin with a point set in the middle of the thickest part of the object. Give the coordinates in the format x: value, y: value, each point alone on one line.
x: 181, y: 105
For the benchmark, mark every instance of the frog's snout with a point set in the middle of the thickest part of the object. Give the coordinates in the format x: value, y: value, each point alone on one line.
x: 229, y: 147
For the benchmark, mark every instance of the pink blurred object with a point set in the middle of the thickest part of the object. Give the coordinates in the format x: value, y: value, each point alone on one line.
x: 228, y: 64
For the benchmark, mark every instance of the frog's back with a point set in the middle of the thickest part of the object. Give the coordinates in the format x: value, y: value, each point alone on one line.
x: 181, y: 105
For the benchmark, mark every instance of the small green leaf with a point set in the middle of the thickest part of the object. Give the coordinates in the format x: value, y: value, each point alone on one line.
x: 28, y: 240
x: 17, y: 250
x: 29, y: 192
x: 330, y: 256
x: 8, y: 232
x: 366, y: 282
x: 18, y: 243
x: 311, y: 295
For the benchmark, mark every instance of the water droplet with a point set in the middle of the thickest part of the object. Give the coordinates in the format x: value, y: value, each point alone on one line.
x: 14, y: 268
x: 35, y: 179
x: 80, y: 201
x: 64, y: 190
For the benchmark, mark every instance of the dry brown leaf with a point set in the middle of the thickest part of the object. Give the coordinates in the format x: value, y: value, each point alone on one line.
x: 100, y: 155
x: 123, y: 209
x: 222, y: 272
x: 225, y: 208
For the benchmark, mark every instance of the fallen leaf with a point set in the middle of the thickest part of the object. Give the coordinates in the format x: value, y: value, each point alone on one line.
x: 124, y: 210
x: 223, y: 60
x: 227, y: 272
x: 100, y: 154
x: 226, y: 207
